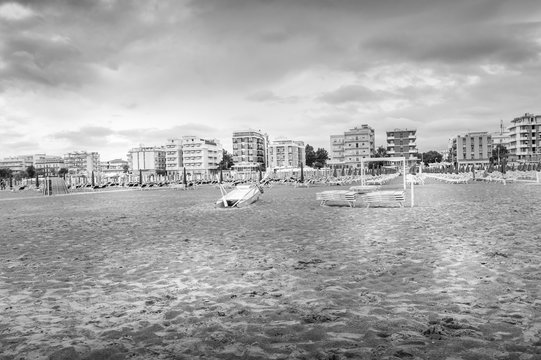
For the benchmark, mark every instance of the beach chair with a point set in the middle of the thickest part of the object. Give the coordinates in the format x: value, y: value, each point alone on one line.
x: 387, y: 197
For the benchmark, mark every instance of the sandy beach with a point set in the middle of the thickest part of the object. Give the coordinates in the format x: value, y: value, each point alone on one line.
x: 162, y: 274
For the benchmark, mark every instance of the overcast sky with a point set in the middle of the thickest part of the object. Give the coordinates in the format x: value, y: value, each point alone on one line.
x: 110, y: 75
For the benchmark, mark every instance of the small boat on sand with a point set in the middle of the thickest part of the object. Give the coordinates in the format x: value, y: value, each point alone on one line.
x: 240, y: 196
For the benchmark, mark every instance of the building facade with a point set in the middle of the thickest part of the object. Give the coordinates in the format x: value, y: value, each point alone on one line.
x: 359, y: 143
x: 250, y: 150
x: 17, y: 163
x: 173, y: 157
x: 287, y: 154
x: 201, y: 157
x: 148, y: 159
x: 474, y: 148
x: 114, y: 167
x: 337, y: 150
x: 347, y: 150
x: 525, y: 138
x: 82, y: 162
x: 402, y: 143
x: 48, y: 165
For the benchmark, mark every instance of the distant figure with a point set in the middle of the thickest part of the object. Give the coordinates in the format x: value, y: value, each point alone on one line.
x: 2, y: 185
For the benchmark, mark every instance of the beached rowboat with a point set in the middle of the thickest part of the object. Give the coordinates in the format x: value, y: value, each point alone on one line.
x: 241, y: 196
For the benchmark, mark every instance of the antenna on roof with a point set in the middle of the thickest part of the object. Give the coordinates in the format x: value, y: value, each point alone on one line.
x: 501, y: 127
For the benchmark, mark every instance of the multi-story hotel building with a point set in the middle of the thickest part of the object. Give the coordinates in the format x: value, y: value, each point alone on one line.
x: 48, y: 164
x: 113, y: 167
x: 250, y: 150
x: 173, y: 157
x: 337, y: 150
x: 287, y: 153
x: 82, y: 162
x: 347, y: 150
x: 402, y: 143
x: 148, y: 159
x: 17, y: 163
x: 525, y: 138
x: 359, y: 142
x: 473, y: 148
x: 200, y: 157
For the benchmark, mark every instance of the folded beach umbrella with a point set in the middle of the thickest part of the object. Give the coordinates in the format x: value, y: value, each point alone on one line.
x: 37, y: 180
x: 93, y: 183
x: 302, y: 173
x: 140, y: 178
x: 221, y: 176
x: 184, y: 181
x: 334, y: 174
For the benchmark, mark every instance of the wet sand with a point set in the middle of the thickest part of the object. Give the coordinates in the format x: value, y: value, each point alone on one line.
x: 165, y: 275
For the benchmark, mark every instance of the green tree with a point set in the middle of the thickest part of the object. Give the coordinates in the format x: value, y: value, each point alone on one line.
x: 321, y: 157
x: 31, y: 171
x: 381, y: 152
x: 62, y: 172
x: 161, y: 172
x: 125, y: 169
x: 499, y: 153
x: 5, y: 173
x: 432, y: 157
x: 310, y: 155
x: 227, y: 161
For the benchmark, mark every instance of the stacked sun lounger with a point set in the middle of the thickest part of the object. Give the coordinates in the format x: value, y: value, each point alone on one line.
x: 387, y: 197
x: 350, y: 197
x: 363, y: 189
x: 462, y: 178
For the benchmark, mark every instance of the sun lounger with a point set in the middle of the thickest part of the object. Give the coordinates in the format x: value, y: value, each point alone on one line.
x: 385, y: 198
x: 350, y: 197
x: 363, y: 189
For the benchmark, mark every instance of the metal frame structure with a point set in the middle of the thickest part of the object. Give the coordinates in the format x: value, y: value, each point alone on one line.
x: 389, y: 159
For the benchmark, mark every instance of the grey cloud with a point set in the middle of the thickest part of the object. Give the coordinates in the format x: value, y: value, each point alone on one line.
x: 88, y: 136
x: 350, y: 93
x: 267, y: 95
x: 67, y: 42
x: 99, y: 136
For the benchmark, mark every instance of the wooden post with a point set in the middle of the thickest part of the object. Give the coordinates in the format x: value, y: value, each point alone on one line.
x: 412, y: 194
x: 404, y: 174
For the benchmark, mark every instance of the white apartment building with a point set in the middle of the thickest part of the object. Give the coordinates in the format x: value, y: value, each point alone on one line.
x: 17, y: 163
x: 48, y: 164
x: 250, y: 150
x: 337, y: 150
x: 174, y: 163
x: 359, y: 142
x: 148, y: 159
x: 525, y: 138
x: 113, y: 167
x: 473, y: 148
x: 348, y: 149
x: 201, y: 157
x: 82, y: 162
x: 287, y: 154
